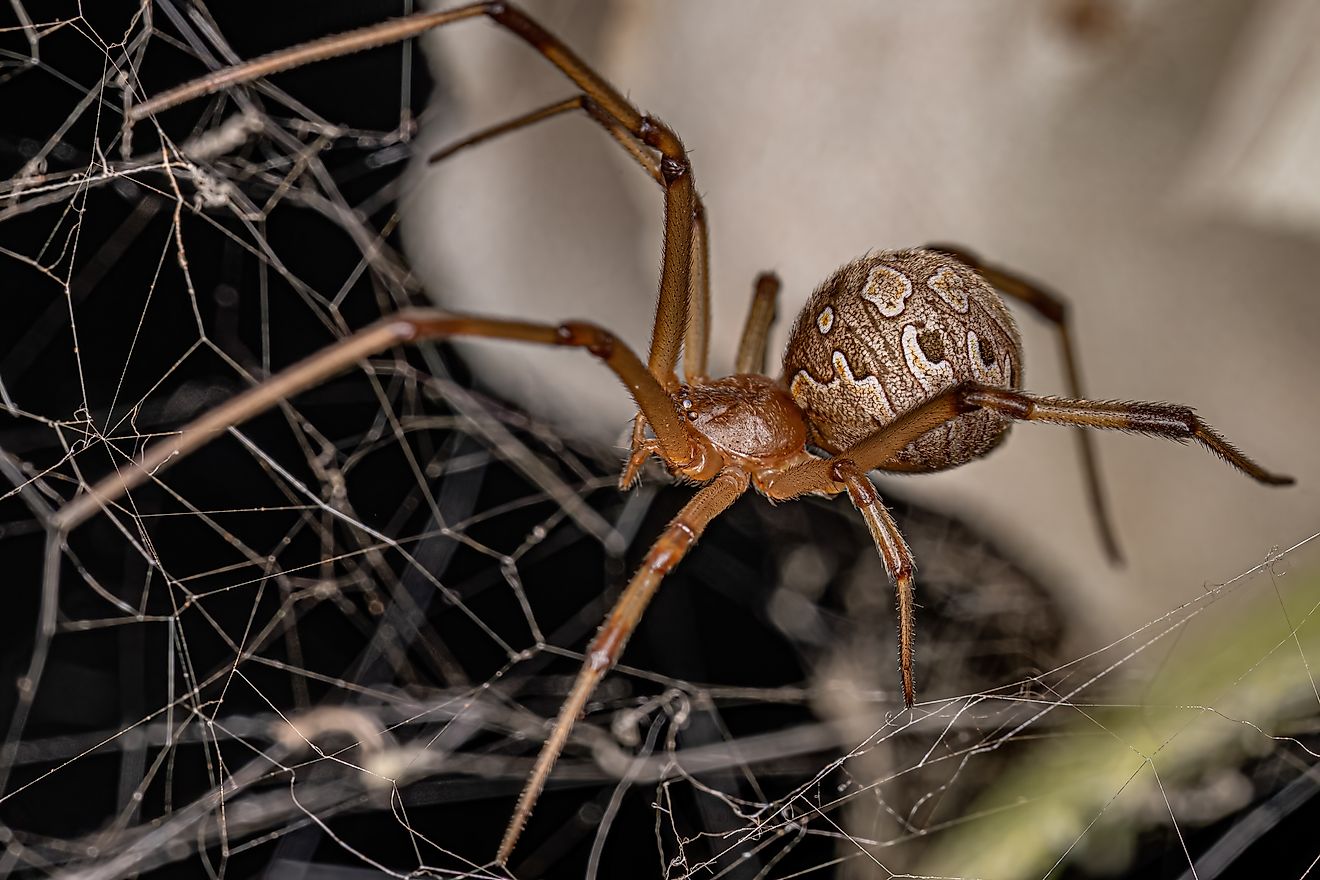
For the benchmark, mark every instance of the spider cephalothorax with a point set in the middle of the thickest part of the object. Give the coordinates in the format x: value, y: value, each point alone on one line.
x: 901, y: 360
x: 749, y: 420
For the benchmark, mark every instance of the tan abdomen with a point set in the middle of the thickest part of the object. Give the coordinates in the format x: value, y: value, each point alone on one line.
x: 889, y: 331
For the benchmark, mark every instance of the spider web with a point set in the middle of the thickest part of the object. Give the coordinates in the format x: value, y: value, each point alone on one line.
x: 331, y: 640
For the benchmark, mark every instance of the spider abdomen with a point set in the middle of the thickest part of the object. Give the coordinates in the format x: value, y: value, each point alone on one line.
x: 891, y: 330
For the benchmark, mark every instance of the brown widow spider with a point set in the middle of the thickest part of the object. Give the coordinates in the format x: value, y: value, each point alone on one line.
x: 903, y: 361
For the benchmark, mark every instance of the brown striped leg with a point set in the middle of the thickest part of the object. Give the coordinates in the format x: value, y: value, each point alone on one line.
x: 838, y: 474
x: 756, y: 332
x: 671, y: 320
x: 527, y: 120
x: 869, y: 453
x: 896, y: 555
x: 677, y: 538
x: 696, y: 343
x: 406, y: 328
x: 1157, y: 419
x: 1054, y: 308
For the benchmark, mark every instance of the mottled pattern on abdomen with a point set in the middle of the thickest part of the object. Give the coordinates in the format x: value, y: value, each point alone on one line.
x: 891, y: 330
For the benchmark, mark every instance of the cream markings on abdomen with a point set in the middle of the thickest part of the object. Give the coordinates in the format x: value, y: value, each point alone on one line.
x: 825, y: 320
x: 948, y: 286
x: 822, y: 397
x: 888, y: 289
x: 992, y: 372
x: 931, y: 375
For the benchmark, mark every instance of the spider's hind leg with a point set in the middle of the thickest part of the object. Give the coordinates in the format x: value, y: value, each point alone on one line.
x: 896, y: 555
x: 1169, y: 420
x: 1053, y: 308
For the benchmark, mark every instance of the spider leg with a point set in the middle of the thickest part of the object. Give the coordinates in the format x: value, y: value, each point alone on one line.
x: 527, y: 120
x: 840, y: 472
x: 896, y: 555
x: 1053, y: 308
x: 406, y: 328
x: 642, y: 449
x: 671, y: 321
x: 756, y: 332
x: 750, y: 359
x: 695, y: 344
x: 673, y: 543
x: 817, y: 475
x: 1157, y: 419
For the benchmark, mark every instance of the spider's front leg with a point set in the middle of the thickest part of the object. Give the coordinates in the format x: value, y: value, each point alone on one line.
x: 674, y: 441
x: 606, y: 648
x: 685, y: 226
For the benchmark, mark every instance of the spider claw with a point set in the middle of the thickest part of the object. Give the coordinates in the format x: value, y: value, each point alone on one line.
x: 633, y: 469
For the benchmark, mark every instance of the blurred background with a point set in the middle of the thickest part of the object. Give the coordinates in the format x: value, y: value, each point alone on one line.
x: 1155, y: 162
x: 328, y: 643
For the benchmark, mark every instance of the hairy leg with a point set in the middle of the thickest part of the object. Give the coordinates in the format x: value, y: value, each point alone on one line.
x: 842, y: 472
x: 696, y: 341
x: 896, y: 555
x: 672, y: 545
x: 1168, y: 420
x: 681, y: 208
x: 1053, y: 308
x: 405, y: 328
x: 756, y: 331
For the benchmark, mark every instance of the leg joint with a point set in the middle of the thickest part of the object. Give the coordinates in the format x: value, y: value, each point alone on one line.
x: 670, y: 548
x: 1013, y: 405
x: 583, y: 335
x: 1053, y: 308
x: 673, y: 170
x: 860, y: 490
x: 862, y: 493
x: 659, y: 136
x: 1178, y: 420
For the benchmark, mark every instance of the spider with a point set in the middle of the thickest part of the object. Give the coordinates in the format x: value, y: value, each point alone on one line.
x: 903, y: 361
